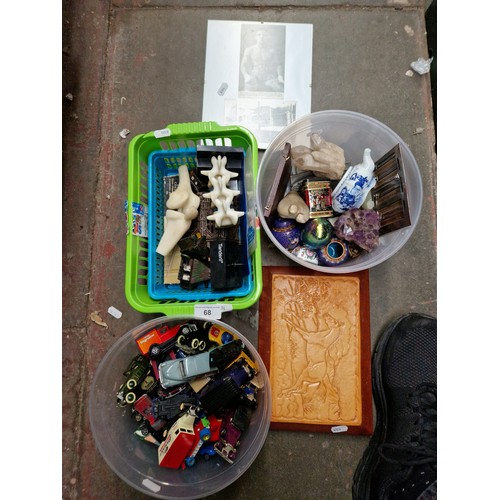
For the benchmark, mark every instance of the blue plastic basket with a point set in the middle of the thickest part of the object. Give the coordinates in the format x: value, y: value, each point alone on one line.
x: 162, y: 164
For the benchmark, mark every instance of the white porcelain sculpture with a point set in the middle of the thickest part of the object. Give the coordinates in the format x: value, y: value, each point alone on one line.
x: 323, y: 158
x: 292, y: 206
x: 182, y: 208
x: 221, y: 195
x: 355, y: 185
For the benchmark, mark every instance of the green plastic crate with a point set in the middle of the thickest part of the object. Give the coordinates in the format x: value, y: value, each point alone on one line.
x: 174, y: 137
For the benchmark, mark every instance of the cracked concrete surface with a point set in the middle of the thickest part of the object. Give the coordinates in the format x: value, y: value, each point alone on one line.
x: 139, y: 65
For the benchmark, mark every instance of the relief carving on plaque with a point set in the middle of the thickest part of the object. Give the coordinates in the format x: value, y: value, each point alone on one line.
x: 315, y: 350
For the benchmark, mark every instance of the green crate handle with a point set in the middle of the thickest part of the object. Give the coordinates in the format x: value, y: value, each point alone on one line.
x: 183, y: 129
x: 211, y: 129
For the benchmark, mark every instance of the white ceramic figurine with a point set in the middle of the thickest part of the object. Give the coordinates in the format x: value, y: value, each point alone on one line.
x: 355, y: 185
x: 182, y: 208
x: 221, y: 195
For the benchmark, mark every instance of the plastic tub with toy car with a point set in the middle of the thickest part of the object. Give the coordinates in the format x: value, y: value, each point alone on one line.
x: 136, y: 461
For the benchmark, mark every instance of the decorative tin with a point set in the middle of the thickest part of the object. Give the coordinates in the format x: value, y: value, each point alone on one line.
x: 318, y: 196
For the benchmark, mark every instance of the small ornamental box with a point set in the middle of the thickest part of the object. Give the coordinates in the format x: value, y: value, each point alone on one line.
x: 318, y: 197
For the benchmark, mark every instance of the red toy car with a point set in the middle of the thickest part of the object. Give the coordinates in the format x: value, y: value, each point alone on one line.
x: 178, y: 443
x: 206, y: 430
x: 144, y: 406
x: 156, y: 336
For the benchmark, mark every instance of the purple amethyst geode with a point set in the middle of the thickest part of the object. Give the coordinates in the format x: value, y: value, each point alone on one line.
x: 360, y: 226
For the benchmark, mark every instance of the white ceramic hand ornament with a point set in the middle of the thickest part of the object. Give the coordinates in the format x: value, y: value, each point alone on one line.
x: 182, y: 208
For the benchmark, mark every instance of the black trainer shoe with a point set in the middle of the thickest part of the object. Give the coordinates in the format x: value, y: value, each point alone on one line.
x: 400, y: 461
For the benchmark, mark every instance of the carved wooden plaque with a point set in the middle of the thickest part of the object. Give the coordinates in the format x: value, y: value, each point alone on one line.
x: 315, y: 338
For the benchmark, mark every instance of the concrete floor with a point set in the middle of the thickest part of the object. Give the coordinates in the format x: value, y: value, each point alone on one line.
x: 139, y: 64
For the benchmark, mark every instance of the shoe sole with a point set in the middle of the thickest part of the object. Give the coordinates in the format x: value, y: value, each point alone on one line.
x: 369, y: 460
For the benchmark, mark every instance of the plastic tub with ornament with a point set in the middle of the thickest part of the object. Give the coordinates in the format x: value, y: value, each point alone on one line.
x: 338, y: 192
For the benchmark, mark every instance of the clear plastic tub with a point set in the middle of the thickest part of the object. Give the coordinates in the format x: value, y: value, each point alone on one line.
x: 353, y: 132
x: 135, y: 461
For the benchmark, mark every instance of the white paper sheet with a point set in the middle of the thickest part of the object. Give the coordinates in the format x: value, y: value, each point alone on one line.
x: 257, y: 75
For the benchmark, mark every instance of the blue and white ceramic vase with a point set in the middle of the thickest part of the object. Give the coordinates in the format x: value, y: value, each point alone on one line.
x: 355, y: 185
